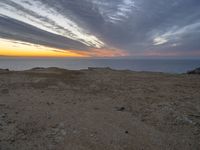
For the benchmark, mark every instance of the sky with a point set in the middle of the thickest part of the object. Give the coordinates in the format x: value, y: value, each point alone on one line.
x: 100, y: 28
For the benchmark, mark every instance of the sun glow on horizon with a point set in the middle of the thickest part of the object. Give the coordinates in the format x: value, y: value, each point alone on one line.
x: 24, y: 49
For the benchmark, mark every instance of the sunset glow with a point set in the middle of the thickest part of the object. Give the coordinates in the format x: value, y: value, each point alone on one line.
x: 23, y: 49
x: 16, y: 48
x: 93, y: 28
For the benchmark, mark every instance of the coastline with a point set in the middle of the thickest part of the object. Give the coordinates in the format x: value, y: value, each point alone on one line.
x: 98, y: 108
x: 153, y: 65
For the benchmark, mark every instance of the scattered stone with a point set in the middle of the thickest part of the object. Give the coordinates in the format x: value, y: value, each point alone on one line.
x: 48, y: 117
x: 91, y: 135
x: 23, y: 137
x: 2, y: 105
x: 63, y: 132
x: 120, y: 108
x: 61, y: 125
x: 57, y: 139
x: 3, y: 115
x: 12, y: 140
x: 50, y: 103
x: 54, y: 126
x: 74, y: 131
x: 195, y: 115
x: 96, y: 108
x: 184, y: 120
x: 10, y: 121
x: 197, y: 131
x: 126, y: 132
x: 5, y: 91
x: 53, y: 87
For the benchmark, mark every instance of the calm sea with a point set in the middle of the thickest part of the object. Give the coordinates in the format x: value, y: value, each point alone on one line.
x: 156, y: 65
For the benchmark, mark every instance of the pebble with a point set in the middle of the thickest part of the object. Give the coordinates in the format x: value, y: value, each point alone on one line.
x: 63, y: 132
x: 61, y: 125
x: 4, y: 91
x: 120, y: 108
x: 3, y: 115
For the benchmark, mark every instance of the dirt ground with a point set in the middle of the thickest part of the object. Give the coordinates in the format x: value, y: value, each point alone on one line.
x: 98, y: 109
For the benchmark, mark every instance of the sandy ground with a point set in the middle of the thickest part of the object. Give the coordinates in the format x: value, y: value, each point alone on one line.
x: 98, y: 109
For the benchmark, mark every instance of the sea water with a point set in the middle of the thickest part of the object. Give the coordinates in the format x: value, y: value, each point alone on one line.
x: 153, y: 65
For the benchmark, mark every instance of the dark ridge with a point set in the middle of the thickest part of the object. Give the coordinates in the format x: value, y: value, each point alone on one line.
x: 195, y: 71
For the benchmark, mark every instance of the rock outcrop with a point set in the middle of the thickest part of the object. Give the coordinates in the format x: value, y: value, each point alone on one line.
x: 195, y: 71
x: 4, y: 70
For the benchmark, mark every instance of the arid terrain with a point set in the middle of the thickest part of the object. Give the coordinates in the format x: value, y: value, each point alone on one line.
x: 98, y: 109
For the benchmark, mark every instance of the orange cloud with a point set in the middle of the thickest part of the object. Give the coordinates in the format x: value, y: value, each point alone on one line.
x: 103, y: 53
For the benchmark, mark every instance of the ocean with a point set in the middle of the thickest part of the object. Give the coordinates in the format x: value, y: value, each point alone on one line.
x: 153, y: 65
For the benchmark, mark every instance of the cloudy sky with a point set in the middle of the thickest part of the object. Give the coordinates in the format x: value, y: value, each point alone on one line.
x: 101, y: 27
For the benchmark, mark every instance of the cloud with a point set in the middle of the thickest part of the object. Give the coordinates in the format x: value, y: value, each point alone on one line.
x: 37, y: 14
x: 16, y: 30
x: 133, y: 26
x: 115, y: 11
x: 104, y: 53
x: 177, y: 33
x: 159, y: 40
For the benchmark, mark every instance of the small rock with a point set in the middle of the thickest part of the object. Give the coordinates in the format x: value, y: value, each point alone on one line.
x: 23, y: 137
x: 74, y: 131
x: 63, y: 132
x: 58, y: 139
x: 5, y: 91
x: 61, y: 125
x: 96, y: 108
x: 12, y: 140
x: 120, y: 108
x: 50, y: 147
x: 3, y: 115
x: 50, y: 103
x: 92, y: 135
x: 126, y: 132
x: 54, y: 126
x: 184, y: 120
x: 2, y: 105
x: 195, y: 71
x: 10, y: 122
